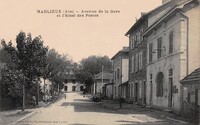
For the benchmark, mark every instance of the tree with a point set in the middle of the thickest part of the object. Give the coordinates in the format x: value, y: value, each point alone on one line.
x: 57, y: 66
x: 91, y: 66
x: 28, y: 58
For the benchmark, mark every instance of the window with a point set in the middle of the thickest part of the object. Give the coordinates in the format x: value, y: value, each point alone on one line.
x: 140, y: 60
x: 132, y: 42
x: 171, y: 41
x: 133, y: 64
x: 66, y: 81
x: 141, y: 37
x: 138, y: 39
x: 131, y: 90
x: 135, y: 40
x: 136, y: 62
x: 159, y: 44
x: 150, y: 52
x: 117, y: 73
x: 159, y: 87
x: 74, y: 81
x: 188, y: 97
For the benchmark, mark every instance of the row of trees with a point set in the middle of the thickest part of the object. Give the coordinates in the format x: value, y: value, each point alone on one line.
x: 25, y: 65
x: 29, y: 61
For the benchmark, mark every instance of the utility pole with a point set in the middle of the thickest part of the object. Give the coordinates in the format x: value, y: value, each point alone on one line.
x: 102, y: 81
x: 58, y: 89
x: 38, y: 94
x: 23, y: 104
x: 44, y: 91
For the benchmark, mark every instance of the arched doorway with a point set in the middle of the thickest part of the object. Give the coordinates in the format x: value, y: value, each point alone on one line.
x: 160, y: 82
x: 81, y: 88
x: 73, y: 88
x: 66, y: 88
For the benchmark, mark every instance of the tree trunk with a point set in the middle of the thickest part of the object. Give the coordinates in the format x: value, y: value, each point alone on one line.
x: 37, y: 101
x: 23, y: 104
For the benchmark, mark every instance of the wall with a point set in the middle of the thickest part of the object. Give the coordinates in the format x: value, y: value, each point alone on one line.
x: 109, y: 90
x: 166, y: 62
x: 99, y: 85
x: 116, y: 65
x: 125, y: 70
x: 189, y: 107
x: 70, y: 86
x: 194, y: 38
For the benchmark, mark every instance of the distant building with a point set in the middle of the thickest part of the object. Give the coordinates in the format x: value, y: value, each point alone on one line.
x: 120, y: 73
x: 46, y: 88
x: 100, y: 80
x: 72, y: 84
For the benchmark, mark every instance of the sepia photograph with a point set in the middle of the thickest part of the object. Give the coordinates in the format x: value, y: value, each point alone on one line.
x: 100, y: 62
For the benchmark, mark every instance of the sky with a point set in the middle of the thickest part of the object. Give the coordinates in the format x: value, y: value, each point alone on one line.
x: 79, y: 37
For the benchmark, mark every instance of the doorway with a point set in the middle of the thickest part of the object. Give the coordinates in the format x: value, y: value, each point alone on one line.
x: 66, y: 88
x: 151, y: 93
x: 144, y: 98
x: 73, y: 88
x: 197, y: 103
x: 136, y: 92
x: 81, y: 88
x: 170, y: 92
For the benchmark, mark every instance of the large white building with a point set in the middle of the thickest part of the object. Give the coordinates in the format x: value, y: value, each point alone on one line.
x: 72, y: 84
x: 173, y: 51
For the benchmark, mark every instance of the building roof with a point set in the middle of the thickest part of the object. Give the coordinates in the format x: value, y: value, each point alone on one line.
x: 106, y: 75
x: 111, y: 83
x: 177, y: 6
x: 124, y: 50
x: 144, y: 16
x: 194, y: 76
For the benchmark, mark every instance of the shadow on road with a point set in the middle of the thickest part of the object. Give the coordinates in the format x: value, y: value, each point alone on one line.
x: 86, y: 106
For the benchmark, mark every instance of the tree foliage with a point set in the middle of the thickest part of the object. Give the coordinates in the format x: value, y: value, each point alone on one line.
x: 91, y: 66
x: 27, y: 61
x: 57, y: 66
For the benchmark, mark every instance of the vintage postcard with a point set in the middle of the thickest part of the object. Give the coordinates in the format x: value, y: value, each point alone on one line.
x: 99, y: 62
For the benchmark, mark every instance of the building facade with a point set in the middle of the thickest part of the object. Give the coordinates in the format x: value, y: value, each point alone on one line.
x: 172, y: 52
x: 71, y: 84
x: 137, y: 61
x: 190, y: 99
x: 120, y: 73
x: 100, y: 80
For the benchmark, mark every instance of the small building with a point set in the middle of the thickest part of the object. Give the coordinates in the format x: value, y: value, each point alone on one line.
x: 190, y: 98
x: 100, y: 80
x: 120, y: 73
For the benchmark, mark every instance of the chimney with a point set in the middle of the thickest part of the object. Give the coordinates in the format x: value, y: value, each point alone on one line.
x: 143, y: 13
x: 165, y: 1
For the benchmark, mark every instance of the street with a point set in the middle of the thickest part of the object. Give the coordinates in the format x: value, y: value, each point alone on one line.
x: 79, y: 110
